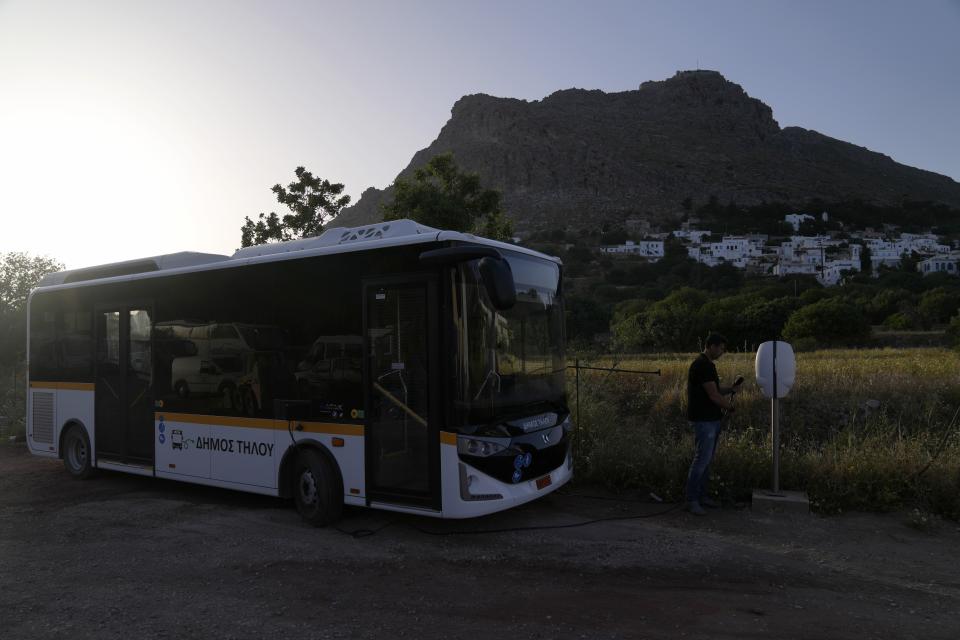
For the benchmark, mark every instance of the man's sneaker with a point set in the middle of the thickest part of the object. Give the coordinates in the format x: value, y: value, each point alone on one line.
x: 696, y: 509
x: 706, y: 501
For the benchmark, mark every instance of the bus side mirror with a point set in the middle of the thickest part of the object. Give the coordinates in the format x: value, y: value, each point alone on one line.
x: 494, y: 270
x: 498, y: 279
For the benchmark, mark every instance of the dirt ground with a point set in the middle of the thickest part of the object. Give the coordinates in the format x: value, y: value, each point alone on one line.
x: 119, y: 555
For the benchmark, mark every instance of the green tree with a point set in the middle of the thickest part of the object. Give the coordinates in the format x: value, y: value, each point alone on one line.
x: 814, y: 295
x: 19, y: 273
x: 765, y: 320
x: 723, y: 315
x: 904, y: 320
x: 312, y: 201
x: 629, y: 333
x: 880, y: 305
x: 671, y: 323
x: 442, y: 196
x: 627, y: 308
x: 938, y: 305
x: 830, y: 322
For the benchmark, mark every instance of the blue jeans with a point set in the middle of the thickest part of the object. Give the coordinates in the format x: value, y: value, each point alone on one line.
x: 706, y: 435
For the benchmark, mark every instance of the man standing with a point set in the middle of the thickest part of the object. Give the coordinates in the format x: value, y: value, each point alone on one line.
x: 705, y: 407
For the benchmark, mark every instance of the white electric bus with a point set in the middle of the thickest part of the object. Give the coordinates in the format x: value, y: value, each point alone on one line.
x: 393, y: 366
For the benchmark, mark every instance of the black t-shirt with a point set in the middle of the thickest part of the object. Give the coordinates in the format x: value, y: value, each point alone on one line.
x: 700, y: 408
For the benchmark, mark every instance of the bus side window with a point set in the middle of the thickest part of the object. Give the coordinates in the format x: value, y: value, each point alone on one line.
x: 43, y: 355
x: 75, y: 338
x: 108, y: 349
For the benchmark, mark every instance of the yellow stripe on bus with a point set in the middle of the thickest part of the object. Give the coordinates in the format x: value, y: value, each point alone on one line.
x: 448, y: 438
x: 64, y: 386
x: 331, y: 428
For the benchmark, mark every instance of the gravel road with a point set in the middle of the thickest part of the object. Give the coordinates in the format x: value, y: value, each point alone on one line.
x: 118, y: 555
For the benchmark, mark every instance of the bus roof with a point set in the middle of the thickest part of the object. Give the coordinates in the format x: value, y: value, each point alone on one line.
x: 331, y: 241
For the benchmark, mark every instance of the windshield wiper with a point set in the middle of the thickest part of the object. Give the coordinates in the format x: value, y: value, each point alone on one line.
x: 491, y: 374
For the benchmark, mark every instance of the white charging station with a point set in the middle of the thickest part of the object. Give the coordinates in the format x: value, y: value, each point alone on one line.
x: 776, y: 371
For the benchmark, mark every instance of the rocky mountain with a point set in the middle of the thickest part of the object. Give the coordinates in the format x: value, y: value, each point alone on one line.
x: 581, y: 157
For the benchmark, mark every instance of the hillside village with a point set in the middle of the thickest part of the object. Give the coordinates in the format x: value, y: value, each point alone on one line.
x: 825, y: 256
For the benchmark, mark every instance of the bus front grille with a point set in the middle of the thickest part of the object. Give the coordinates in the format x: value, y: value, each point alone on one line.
x: 43, y: 417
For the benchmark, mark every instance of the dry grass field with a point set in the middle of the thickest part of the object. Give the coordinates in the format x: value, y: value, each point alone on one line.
x: 861, y: 429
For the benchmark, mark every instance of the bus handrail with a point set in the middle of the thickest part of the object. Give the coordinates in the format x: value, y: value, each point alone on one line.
x: 392, y: 398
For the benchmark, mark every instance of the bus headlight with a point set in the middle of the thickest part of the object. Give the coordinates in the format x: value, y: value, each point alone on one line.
x: 478, y: 447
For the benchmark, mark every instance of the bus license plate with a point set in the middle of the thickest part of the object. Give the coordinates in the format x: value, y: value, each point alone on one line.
x: 545, y: 481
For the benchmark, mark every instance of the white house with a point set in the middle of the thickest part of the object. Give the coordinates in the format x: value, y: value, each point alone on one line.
x: 889, y: 252
x: 736, y: 250
x: 817, y: 255
x: 652, y: 249
x: 924, y: 243
x: 940, y: 264
x: 833, y: 270
x: 807, y: 248
x: 886, y: 252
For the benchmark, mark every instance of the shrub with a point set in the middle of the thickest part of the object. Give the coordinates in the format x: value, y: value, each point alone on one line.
x: 880, y: 305
x: 671, y: 322
x: 900, y: 321
x: 938, y: 305
x: 829, y: 322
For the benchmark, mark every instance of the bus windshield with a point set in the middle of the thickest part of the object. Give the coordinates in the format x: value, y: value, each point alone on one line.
x: 508, y: 363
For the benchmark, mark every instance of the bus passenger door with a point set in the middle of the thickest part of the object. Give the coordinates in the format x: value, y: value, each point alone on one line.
x: 123, y: 393
x: 400, y: 372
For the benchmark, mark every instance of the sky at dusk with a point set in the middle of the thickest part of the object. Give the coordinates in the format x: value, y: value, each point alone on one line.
x: 130, y: 129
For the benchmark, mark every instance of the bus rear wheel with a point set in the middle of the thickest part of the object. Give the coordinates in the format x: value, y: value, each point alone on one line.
x: 318, y: 488
x: 77, y: 457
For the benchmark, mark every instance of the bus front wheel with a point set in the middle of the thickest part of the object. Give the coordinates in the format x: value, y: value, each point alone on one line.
x: 318, y: 488
x: 77, y: 457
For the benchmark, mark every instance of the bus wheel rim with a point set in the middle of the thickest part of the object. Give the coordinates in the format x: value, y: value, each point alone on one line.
x: 308, y: 488
x: 78, y: 454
